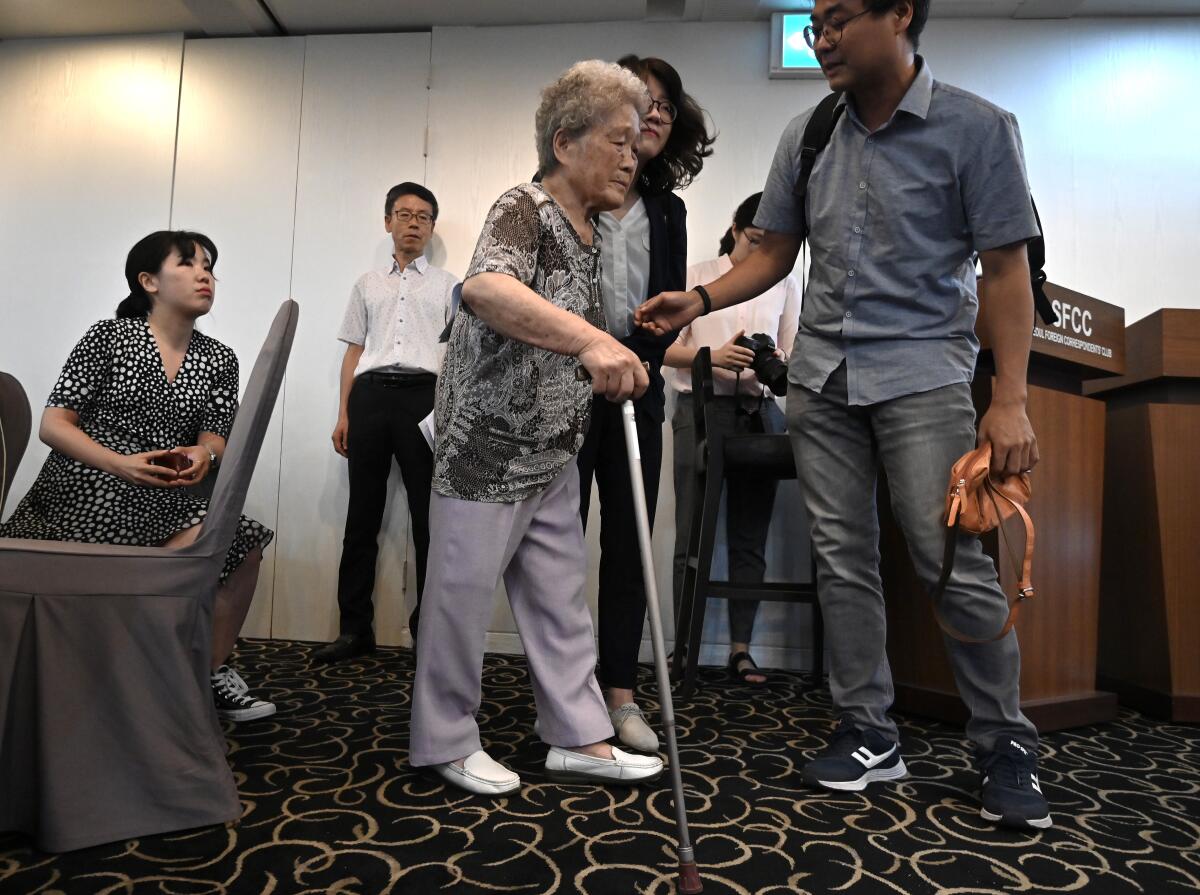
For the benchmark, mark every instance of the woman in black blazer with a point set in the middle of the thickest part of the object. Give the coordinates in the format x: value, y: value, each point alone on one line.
x: 644, y: 251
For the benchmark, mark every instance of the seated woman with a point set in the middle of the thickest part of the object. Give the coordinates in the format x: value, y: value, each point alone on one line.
x: 741, y: 404
x: 140, y: 412
x: 510, y: 418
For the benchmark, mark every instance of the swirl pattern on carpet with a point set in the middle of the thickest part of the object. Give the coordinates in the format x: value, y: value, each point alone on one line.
x: 330, y: 805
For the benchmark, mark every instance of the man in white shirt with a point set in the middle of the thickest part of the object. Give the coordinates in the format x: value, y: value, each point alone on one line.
x: 391, y: 329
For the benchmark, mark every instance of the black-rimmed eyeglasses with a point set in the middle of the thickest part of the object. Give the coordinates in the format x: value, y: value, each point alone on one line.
x: 666, y: 109
x: 404, y: 216
x: 831, y: 31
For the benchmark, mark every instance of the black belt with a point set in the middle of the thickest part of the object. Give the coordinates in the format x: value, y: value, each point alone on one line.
x: 398, y: 378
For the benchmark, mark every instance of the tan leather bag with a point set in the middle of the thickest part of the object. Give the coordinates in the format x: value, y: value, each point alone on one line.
x: 976, y: 503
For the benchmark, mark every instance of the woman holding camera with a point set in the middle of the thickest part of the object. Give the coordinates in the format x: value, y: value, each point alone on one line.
x: 742, y: 404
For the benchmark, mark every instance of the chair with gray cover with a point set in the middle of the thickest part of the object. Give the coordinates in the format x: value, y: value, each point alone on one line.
x: 15, y: 423
x: 107, y: 724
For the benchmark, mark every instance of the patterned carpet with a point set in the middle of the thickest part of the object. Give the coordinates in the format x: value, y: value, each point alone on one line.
x: 331, y: 806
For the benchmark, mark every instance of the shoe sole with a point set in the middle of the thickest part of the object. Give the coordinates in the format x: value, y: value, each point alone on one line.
x: 251, y: 714
x: 333, y: 660
x: 457, y: 784
x: 594, y: 779
x: 874, y: 775
x: 1016, y: 823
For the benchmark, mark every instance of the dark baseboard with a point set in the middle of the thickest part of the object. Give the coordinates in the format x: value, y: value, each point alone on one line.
x: 1059, y: 713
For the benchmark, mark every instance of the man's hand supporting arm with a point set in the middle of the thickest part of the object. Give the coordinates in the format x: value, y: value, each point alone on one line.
x: 774, y: 260
x: 1009, y: 307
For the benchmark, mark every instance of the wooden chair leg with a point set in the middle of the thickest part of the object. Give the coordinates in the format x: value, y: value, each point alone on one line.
x: 710, y: 508
x: 688, y: 585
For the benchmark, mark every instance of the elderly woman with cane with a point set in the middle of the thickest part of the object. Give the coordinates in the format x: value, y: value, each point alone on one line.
x: 510, y: 418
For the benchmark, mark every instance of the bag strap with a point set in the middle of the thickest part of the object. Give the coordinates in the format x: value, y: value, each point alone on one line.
x: 1036, y: 249
x: 817, y: 133
x: 1023, y: 570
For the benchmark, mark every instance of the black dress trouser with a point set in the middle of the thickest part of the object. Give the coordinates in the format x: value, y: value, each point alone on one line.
x: 384, y: 412
x: 622, y: 597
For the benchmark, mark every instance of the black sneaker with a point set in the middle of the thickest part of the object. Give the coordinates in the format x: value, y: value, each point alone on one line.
x: 233, y: 700
x: 1012, y: 796
x: 855, y: 758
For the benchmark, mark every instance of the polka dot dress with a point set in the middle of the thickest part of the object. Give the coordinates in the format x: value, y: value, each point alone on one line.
x: 114, y: 379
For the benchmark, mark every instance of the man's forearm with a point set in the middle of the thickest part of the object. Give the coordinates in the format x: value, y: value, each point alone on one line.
x: 517, y: 312
x: 1009, y: 303
x: 760, y: 271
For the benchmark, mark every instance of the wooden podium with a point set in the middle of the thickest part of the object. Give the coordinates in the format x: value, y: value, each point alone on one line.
x: 1150, y: 574
x: 1058, y: 628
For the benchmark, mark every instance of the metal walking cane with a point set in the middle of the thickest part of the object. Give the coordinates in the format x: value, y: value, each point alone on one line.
x: 689, y: 875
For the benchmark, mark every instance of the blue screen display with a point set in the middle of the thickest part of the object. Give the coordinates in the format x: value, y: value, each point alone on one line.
x: 796, y: 53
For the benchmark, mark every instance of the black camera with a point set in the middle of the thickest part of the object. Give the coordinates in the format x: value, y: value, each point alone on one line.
x: 770, y: 370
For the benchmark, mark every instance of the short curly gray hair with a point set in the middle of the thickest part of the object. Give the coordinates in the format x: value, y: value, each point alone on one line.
x: 585, y: 94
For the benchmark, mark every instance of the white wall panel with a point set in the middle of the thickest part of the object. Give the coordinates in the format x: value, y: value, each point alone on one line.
x: 85, y: 172
x: 235, y: 180
x: 363, y: 130
x: 1107, y: 115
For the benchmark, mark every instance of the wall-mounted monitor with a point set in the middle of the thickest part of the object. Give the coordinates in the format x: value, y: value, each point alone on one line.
x: 791, y: 56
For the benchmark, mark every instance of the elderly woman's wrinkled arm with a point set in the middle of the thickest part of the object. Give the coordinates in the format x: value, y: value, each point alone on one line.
x: 517, y: 312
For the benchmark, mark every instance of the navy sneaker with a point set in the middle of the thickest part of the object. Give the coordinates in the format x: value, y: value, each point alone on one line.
x: 855, y: 758
x: 1011, y: 793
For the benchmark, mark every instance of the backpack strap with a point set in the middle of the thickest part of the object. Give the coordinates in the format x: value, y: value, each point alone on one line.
x: 817, y: 132
x: 1036, y: 249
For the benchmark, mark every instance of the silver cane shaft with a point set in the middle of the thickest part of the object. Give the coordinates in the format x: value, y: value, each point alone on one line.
x: 634, y: 453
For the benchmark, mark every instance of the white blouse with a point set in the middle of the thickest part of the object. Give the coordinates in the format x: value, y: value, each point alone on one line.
x: 776, y: 312
x: 624, y: 266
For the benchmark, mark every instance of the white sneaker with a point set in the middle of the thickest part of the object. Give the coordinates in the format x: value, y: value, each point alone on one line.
x: 480, y: 774
x: 632, y: 729
x: 565, y: 766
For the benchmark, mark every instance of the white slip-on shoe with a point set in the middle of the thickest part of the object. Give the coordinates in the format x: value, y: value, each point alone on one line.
x: 632, y: 729
x: 565, y: 766
x: 480, y: 774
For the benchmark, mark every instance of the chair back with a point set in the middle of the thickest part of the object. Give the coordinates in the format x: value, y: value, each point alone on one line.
x: 245, y: 441
x: 16, y: 421
x: 702, y: 394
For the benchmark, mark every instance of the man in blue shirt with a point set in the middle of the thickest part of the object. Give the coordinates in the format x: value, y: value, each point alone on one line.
x: 918, y: 176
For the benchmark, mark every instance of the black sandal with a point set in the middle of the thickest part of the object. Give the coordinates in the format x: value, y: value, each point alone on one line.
x: 741, y: 674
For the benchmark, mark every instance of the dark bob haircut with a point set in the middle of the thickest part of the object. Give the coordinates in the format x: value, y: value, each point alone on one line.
x: 689, y: 144
x: 920, y: 15
x: 148, y: 256
x: 410, y: 189
x: 742, y: 218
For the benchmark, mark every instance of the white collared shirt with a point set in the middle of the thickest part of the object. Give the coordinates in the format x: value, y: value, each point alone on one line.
x: 397, y: 316
x: 776, y: 312
x: 624, y: 265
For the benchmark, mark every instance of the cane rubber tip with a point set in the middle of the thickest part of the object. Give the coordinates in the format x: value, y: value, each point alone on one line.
x: 689, y: 878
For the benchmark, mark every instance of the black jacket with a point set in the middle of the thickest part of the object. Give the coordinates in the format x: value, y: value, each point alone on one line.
x: 668, y: 273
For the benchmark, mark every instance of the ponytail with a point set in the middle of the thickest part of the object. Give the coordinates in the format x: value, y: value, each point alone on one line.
x: 135, y: 305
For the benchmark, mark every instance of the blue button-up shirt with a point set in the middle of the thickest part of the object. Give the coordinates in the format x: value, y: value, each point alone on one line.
x: 895, y: 218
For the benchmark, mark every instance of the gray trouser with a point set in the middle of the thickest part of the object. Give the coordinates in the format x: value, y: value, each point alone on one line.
x: 536, y: 546
x: 915, y: 439
x: 749, y: 502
